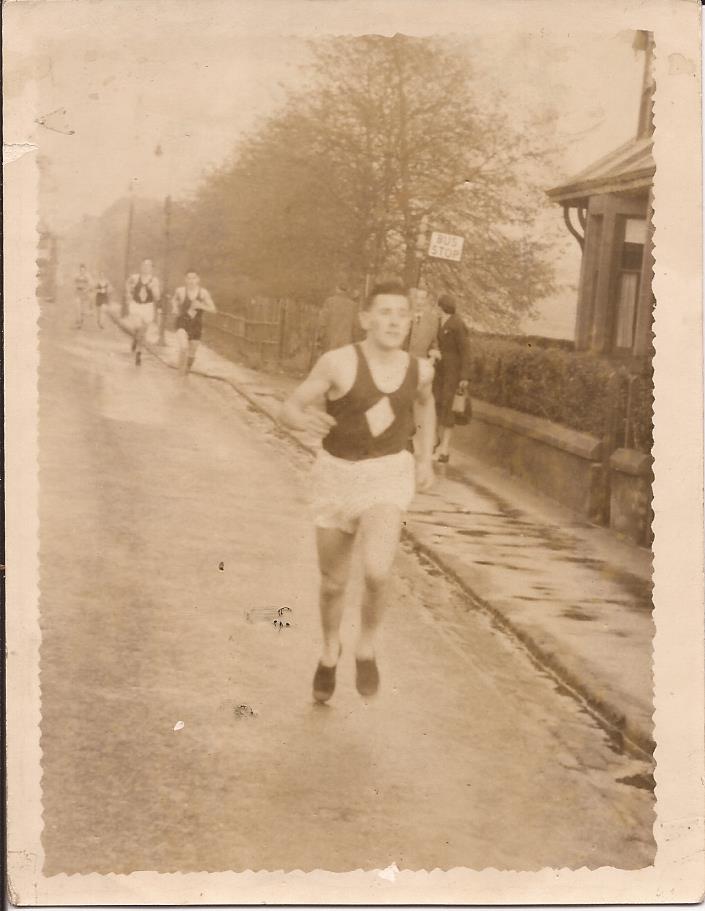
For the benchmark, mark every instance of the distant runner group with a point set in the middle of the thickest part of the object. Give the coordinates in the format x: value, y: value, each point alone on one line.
x: 143, y: 300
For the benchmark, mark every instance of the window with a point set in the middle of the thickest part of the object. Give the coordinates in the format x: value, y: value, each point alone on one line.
x: 628, y: 281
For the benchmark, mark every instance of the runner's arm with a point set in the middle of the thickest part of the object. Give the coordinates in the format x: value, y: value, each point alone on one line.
x: 206, y: 302
x: 156, y: 291
x: 297, y: 412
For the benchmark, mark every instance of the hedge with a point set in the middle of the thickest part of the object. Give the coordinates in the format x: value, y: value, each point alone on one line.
x: 575, y: 389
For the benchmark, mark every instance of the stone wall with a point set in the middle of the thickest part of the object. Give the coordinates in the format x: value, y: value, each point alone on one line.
x: 568, y: 466
x: 561, y: 463
x: 630, y: 495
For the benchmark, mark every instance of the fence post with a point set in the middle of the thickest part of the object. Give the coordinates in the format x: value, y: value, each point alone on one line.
x: 313, y: 339
x: 282, y: 330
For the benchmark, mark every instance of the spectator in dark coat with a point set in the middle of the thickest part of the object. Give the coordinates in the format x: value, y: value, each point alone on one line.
x: 452, y: 371
x: 423, y: 335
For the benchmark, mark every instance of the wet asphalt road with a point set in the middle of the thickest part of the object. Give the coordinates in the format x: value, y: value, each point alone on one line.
x: 169, y: 510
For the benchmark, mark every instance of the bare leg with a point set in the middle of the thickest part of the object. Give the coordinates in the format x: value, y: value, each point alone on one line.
x: 444, y: 445
x: 380, y: 529
x: 140, y: 332
x: 182, y: 344
x: 334, y: 552
x: 192, y: 349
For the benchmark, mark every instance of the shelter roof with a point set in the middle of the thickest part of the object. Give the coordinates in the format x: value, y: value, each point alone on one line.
x: 628, y: 169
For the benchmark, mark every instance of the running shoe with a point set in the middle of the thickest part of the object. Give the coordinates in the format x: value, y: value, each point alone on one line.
x: 324, y: 681
x: 366, y: 676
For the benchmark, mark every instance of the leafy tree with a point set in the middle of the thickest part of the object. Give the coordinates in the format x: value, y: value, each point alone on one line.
x: 390, y: 136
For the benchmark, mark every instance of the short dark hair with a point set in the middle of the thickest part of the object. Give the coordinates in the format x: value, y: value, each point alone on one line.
x: 447, y: 303
x: 386, y: 286
x: 191, y: 272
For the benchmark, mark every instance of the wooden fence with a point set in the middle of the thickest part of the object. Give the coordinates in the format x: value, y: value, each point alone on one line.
x: 264, y: 333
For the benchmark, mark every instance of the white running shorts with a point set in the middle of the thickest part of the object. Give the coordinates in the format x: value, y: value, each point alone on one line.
x: 142, y: 313
x: 342, y: 490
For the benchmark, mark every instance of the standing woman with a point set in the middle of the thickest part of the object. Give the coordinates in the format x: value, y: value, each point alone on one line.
x: 452, y: 367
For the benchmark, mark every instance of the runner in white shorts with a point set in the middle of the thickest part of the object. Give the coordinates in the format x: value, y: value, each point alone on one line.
x: 377, y: 396
x: 143, y: 295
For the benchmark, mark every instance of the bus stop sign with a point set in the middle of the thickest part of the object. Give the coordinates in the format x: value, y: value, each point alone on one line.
x: 446, y: 246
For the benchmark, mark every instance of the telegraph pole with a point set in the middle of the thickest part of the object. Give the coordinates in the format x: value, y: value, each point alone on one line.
x: 165, y: 284
x: 128, y: 244
x: 421, y: 247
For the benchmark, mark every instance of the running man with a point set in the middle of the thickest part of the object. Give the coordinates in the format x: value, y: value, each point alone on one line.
x: 103, y: 289
x: 83, y: 283
x: 188, y: 303
x: 376, y: 397
x: 143, y: 296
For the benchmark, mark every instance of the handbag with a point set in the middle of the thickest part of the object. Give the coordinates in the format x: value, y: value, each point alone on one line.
x: 462, y: 408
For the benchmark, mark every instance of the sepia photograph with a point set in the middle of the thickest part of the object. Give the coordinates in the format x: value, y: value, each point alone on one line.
x: 345, y: 442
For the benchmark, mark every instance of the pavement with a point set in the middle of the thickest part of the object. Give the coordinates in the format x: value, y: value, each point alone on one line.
x: 178, y: 731
x: 576, y: 595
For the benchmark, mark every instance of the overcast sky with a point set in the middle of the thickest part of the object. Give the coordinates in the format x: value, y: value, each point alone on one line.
x: 194, y: 91
x: 193, y: 80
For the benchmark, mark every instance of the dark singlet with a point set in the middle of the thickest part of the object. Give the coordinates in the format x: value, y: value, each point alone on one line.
x: 192, y: 324
x: 352, y: 437
x: 142, y: 292
x: 101, y: 293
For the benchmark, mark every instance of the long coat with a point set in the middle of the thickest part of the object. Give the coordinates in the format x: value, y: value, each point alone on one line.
x: 337, y: 322
x: 423, y: 333
x: 453, y: 367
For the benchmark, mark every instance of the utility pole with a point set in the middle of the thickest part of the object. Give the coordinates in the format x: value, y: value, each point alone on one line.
x: 421, y: 247
x: 165, y: 284
x: 128, y: 244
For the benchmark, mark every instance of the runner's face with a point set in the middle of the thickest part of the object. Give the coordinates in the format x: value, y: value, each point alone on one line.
x: 146, y: 268
x: 192, y: 281
x: 387, y: 320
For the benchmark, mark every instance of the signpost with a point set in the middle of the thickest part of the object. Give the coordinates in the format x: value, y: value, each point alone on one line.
x: 446, y: 246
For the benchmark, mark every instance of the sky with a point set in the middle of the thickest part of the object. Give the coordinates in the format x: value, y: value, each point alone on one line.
x: 192, y: 88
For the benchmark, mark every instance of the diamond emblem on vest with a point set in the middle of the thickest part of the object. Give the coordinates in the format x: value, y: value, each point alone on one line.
x: 380, y: 416
x: 143, y: 293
